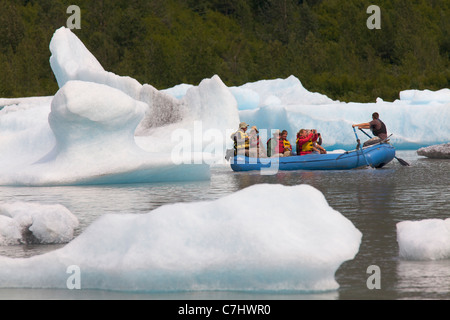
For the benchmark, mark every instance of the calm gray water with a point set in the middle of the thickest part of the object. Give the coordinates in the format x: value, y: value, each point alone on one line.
x: 374, y: 200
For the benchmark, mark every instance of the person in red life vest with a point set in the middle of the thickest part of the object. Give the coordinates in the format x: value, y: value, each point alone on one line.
x: 287, y: 148
x: 377, y: 127
x: 305, y: 140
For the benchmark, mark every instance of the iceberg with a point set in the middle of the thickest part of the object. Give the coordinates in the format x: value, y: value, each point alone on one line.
x: 210, y: 102
x: 289, y: 91
x: 441, y: 151
x: 103, y: 128
x: 93, y: 126
x: 416, y: 119
x: 22, y: 222
x: 426, y: 96
x: 427, y: 239
x: 239, y: 242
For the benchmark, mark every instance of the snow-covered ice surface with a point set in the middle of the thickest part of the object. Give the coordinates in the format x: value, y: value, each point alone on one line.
x: 441, y: 151
x: 239, y: 242
x: 427, y: 239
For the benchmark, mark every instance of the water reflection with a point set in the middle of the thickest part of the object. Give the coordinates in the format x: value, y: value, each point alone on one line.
x: 424, y: 279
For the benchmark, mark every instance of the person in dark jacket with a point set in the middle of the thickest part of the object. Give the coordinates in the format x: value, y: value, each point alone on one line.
x: 377, y: 127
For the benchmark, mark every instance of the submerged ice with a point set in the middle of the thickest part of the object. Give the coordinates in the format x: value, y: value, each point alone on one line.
x: 239, y: 242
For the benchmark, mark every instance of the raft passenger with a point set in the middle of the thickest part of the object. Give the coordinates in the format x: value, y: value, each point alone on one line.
x: 241, y: 140
x: 257, y: 149
x: 305, y: 140
x: 287, y: 148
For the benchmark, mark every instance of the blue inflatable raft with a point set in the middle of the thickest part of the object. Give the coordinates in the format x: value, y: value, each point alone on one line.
x: 375, y: 156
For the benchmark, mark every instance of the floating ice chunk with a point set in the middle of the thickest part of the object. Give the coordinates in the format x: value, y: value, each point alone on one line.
x: 240, y: 242
x: 441, y: 151
x: 22, y: 222
x: 10, y: 231
x: 427, y: 239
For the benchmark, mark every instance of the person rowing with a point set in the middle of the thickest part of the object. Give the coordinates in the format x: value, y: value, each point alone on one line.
x: 377, y: 127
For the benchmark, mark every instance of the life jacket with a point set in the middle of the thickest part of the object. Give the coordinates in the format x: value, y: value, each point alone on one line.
x: 308, y: 146
x: 379, y: 131
x: 286, y: 145
x: 241, y: 141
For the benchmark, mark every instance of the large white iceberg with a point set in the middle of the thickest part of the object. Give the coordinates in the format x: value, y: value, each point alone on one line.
x: 210, y: 102
x: 427, y: 239
x: 104, y: 128
x: 418, y: 118
x: 240, y: 242
x: 93, y: 126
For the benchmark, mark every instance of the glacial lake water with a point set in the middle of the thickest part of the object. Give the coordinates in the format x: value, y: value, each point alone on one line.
x: 374, y: 200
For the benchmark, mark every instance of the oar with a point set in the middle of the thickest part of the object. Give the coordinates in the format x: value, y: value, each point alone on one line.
x: 359, y: 145
x: 402, y: 162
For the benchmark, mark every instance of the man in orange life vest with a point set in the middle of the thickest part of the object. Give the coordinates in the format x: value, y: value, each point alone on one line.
x: 305, y: 139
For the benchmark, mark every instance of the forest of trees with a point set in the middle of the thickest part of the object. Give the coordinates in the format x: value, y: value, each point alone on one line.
x: 324, y: 43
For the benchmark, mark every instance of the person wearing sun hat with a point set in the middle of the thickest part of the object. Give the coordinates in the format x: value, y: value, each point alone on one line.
x: 257, y: 149
x: 241, y: 140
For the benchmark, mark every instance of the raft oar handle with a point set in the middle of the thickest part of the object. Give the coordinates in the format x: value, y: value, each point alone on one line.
x: 359, y: 145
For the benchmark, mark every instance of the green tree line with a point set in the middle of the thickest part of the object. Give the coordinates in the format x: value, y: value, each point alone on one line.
x: 325, y: 43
